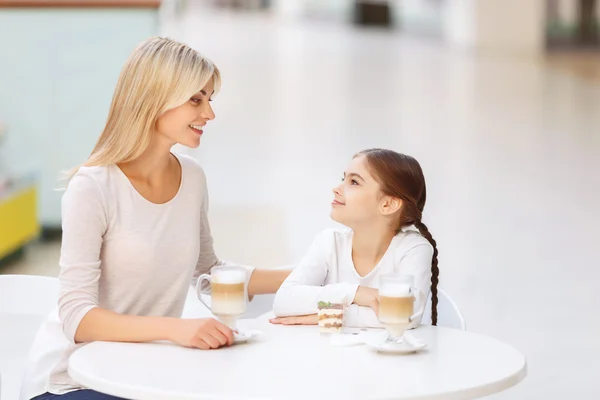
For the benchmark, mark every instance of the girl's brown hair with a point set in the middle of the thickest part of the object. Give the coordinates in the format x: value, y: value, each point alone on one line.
x: 401, y: 176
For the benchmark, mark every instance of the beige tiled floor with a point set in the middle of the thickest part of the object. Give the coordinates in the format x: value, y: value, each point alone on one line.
x: 510, y: 149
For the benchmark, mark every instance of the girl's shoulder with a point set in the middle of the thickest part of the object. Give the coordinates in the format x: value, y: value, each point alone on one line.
x: 410, y: 238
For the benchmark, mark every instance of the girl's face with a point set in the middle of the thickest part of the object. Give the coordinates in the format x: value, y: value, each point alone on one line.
x: 185, y: 124
x: 358, y: 199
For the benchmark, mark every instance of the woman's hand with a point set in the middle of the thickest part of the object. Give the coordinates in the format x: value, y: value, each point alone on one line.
x: 311, y: 319
x: 367, y: 297
x: 205, y: 333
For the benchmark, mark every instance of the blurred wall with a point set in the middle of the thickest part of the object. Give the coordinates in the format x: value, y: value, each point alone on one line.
x: 509, y: 26
x: 58, y: 71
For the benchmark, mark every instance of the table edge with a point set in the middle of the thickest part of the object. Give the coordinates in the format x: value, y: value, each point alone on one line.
x: 123, y: 390
x: 483, y: 390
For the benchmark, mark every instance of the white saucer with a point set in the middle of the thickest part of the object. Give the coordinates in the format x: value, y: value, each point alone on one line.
x: 245, y: 336
x: 378, y: 342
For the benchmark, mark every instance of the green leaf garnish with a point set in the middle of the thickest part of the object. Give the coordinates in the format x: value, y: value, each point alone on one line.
x: 323, y: 304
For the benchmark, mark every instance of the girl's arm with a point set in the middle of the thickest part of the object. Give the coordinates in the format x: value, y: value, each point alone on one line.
x: 303, y: 289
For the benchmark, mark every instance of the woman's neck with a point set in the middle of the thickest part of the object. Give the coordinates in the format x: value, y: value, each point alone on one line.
x: 151, y: 166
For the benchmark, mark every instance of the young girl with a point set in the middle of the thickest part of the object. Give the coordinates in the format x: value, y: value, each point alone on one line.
x: 135, y: 227
x: 381, y: 200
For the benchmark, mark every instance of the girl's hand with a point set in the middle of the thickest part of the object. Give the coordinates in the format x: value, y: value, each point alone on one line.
x: 311, y: 319
x: 367, y: 297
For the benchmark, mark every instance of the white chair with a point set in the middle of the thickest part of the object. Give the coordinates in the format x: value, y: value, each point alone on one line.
x: 449, y: 315
x: 260, y: 304
x: 25, y: 302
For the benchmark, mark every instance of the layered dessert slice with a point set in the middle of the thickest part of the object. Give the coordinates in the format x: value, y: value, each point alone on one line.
x: 331, y: 317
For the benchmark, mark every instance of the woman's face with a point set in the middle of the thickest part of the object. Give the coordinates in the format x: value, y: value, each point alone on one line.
x: 185, y: 124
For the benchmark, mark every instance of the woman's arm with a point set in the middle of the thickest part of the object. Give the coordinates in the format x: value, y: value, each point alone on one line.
x: 264, y: 281
x: 303, y: 289
x: 84, y: 223
x: 104, y: 325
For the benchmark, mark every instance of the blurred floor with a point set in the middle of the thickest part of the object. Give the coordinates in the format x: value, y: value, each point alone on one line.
x: 510, y: 149
x: 39, y: 258
x: 582, y: 65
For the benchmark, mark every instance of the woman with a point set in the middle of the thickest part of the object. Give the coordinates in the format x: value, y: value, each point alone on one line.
x: 135, y: 227
x: 381, y: 199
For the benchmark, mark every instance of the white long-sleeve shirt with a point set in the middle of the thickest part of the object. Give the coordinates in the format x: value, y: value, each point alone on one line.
x: 123, y: 253
x: 327, y: 273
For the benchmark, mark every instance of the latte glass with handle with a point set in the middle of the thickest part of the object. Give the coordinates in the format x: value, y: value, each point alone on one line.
x: 396, y: 305
x: 228, y: 293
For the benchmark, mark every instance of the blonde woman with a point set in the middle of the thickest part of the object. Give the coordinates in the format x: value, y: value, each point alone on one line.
x: 135, y: 227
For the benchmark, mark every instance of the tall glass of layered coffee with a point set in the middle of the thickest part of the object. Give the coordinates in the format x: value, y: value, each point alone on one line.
x: 396, y: 304
x: 227, y: 292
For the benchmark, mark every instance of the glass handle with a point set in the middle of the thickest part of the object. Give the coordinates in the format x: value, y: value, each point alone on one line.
x: 199, y: 288
x: 419, y: 313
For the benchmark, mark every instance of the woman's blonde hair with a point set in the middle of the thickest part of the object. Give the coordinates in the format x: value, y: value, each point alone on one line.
x: 161, y: 74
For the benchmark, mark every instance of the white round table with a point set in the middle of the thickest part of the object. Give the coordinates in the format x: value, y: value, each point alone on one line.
x: 296, y: 362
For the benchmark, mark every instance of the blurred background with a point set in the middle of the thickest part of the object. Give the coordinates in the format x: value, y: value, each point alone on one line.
x: 497, y: 99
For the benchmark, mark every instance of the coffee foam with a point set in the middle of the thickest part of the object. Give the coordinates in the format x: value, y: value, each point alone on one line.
x: 228, y: 276
x: 395, y: 290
